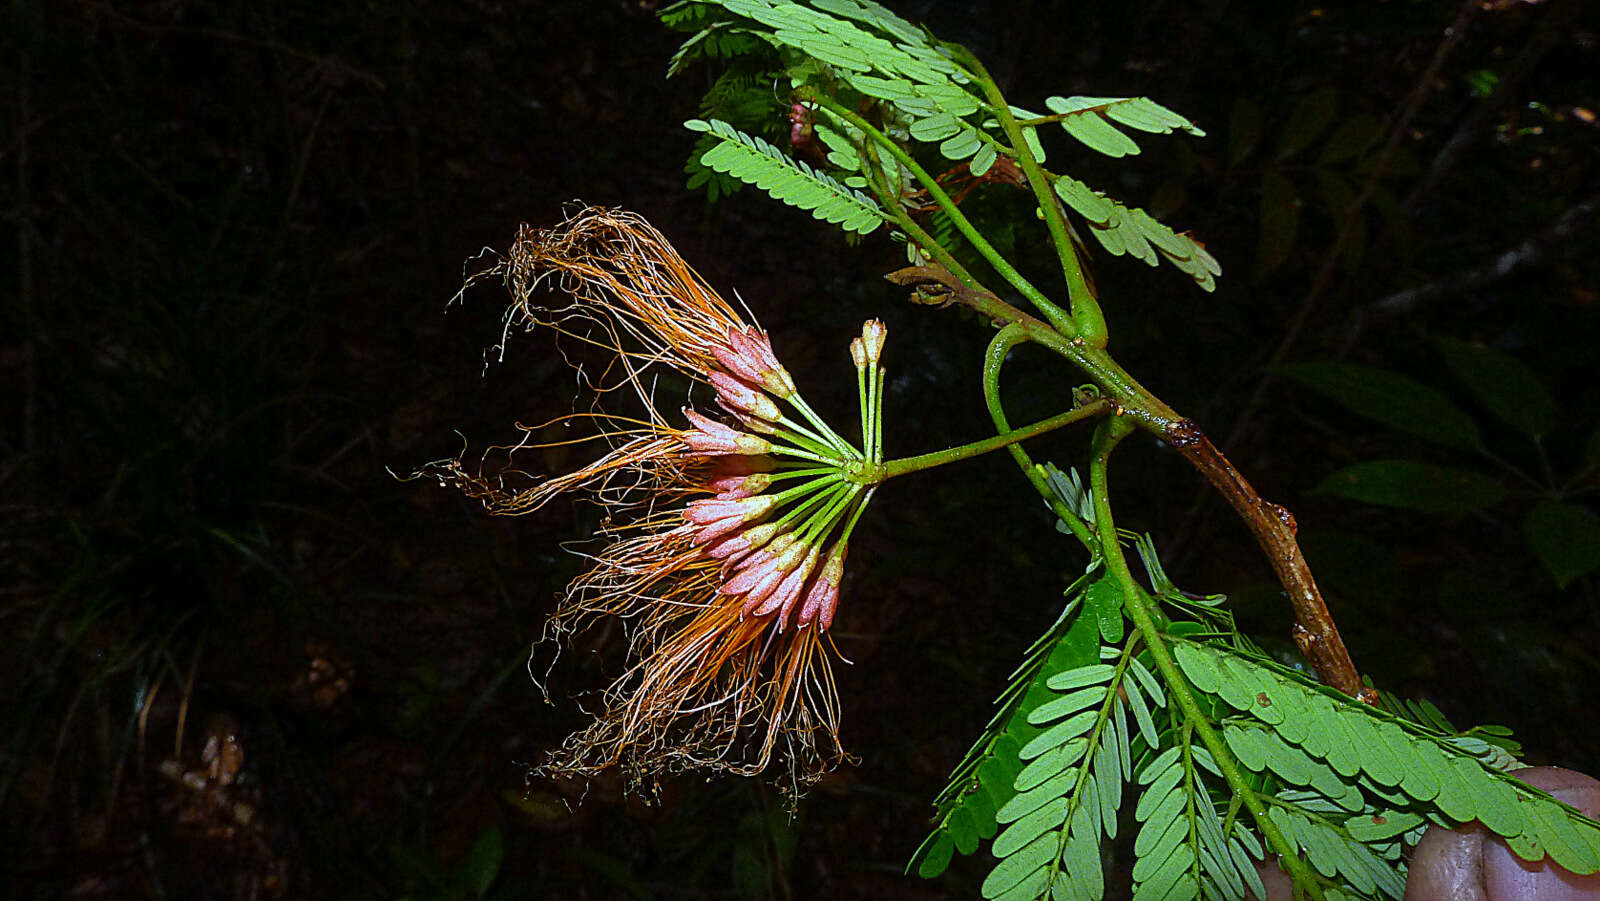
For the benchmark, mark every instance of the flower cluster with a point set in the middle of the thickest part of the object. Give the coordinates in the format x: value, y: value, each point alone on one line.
x: 725, y: 545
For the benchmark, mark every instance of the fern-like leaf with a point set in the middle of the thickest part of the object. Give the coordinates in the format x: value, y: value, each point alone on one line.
x: 755, y: 161
x: 993, y: 773
x: 1362, y: 760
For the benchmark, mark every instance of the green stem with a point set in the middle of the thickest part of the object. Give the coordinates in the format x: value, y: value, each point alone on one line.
x: 1107, y: 436
x: 802, y: 438
x: 804, y: 473
x: 855, y: 516
x: 1129, y: 397
x: 1001, y: 345
x: 1086, y: 315
x: 918, y: 463
x: 875, y: 453
x: 781, y: 451
x: 878, y: 179
x: 816, y: 442
x: 827, y: 433
x: 823, y: 522
x: 819, y: 484
x: 1057, y: 316
x: 866, y: 417
x: 803, y: 512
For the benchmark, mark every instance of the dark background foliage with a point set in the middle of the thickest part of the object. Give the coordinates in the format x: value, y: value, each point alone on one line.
x: 235, y: 228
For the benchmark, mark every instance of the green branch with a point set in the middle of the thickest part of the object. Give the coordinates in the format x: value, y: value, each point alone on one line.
x: 1106, y: 439
x: 994, y: 358
x: 1057, y: 316
x: 1091, y: 324
x: 1008, y: 438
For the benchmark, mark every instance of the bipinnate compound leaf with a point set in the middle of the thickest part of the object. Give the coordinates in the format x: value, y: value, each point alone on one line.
x: 1397, y: 401
x: 1357, y: 761
x: 1067, y: 652
x: 1504, y: 385
x: 754, y: 161
x: 1414, y: 486
x: 1566, y: 537
x: 1181, y: 849
x: 1050, y: 774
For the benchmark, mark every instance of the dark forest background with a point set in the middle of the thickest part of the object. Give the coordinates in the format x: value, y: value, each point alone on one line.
x: 232, y: 230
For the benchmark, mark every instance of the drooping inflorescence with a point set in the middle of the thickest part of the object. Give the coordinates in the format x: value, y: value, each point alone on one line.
x: 726, y: 537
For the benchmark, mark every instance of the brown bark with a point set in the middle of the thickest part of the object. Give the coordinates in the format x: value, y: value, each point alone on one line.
x: 1274, y: 528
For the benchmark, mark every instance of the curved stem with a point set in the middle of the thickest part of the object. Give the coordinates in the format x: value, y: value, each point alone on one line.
x: 1086, y: 313
x: 994, y: 358
x: 1106, y: 439
x: 1273, y: 526
x: 1057, y: 316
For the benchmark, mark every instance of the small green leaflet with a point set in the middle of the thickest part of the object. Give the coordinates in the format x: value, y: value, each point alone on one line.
x: 1132, y: 231
x: 1093, y: 121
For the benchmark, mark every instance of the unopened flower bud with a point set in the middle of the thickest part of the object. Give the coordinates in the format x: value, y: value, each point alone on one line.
x: 741, y: 398
x: 858, y: 353
x: 873, y: 334
x: 736, y: 487
x: 763, y: 585
x: 788, y: 591
x: 748, y: 355
x: 712, y: 437
x: 732, y: 468
x: 761, y: 570
x: 719, y: 516
x: 756, y: 424
x: 823, y: 597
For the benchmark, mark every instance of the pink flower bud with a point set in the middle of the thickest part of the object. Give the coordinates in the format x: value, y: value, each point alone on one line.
x: 712, y: 437
x: 764, y: 585
x: 873, y: 334
x: 788, y: 591
x: 730, y: 471
x: 748, y: 355
x: 711, y: 510
x: 741, y: 398
x: 755, y: 424
x: 727, y: 546
x: 777, y: 557
x: 744, y: 486
x: 720, y: 516
x: 824, y: 594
